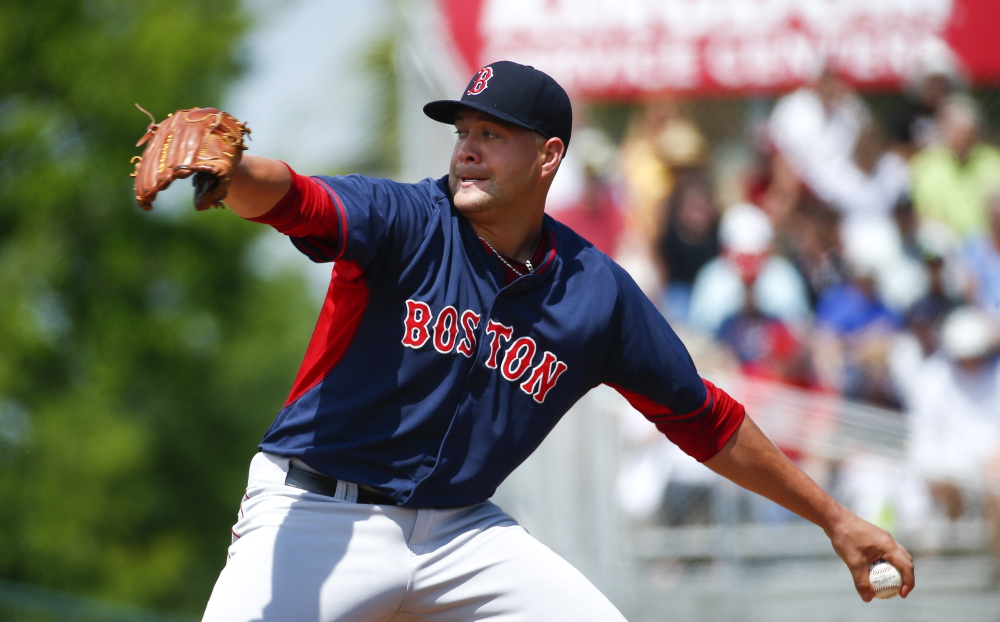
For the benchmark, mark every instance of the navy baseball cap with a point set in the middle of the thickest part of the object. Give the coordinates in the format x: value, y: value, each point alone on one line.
x: 516, y: 93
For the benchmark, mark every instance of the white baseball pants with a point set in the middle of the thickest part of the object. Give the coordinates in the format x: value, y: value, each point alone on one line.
x: 299, y: 556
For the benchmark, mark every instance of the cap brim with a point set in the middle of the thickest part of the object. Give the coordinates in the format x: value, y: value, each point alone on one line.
x: 445, y: 111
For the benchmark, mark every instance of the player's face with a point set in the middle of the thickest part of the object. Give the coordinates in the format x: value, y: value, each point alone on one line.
x: 494, y: 163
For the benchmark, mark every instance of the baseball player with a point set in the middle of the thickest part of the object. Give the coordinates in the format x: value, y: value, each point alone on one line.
x: 461, y: 323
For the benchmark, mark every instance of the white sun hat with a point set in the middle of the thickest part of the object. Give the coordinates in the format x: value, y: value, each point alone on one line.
x: 745, y: 228
x: 968, y: 333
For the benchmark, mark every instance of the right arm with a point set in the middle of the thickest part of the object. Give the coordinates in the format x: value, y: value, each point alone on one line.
x: 258, y: 183
x: 755, y: 463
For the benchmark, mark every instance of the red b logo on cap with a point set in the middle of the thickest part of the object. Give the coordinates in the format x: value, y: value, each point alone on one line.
x: 479, y: 85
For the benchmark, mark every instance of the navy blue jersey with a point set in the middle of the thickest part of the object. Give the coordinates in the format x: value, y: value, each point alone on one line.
x: 430, y: 378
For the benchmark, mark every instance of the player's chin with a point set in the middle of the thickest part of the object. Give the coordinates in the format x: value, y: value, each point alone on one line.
x: 472, y: 200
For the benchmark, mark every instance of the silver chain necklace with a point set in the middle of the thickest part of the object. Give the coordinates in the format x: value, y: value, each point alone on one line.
x: 527, y: 264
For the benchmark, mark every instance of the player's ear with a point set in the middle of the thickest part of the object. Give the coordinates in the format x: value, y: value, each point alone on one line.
x: 553, y: 151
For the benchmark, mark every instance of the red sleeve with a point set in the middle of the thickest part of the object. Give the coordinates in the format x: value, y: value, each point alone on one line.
x: 308, y: 209
x: 702, y: 433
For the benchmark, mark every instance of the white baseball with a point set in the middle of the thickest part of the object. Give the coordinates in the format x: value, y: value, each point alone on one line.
x: 885, y: 579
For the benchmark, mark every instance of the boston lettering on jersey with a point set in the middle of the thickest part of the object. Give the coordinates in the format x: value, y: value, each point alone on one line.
x: 451, y: 331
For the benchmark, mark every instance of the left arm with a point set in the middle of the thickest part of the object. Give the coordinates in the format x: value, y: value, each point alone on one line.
x: 751, y: 460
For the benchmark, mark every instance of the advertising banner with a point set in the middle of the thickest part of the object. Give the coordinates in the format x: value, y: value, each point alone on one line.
x: 623, y: 49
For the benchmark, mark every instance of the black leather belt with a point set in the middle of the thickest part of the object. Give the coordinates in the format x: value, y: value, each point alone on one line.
x: 323, y: 485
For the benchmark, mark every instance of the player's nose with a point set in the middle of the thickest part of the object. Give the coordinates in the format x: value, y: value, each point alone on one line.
x: 468, y: 149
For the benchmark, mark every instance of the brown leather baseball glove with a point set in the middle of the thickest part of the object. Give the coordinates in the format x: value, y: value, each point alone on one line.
x: 204, y: 142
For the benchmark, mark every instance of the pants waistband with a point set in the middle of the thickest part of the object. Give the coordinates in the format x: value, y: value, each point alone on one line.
x: 339, y: 489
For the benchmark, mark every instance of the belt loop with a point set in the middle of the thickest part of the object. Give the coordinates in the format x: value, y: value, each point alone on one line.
x: 347, y: 491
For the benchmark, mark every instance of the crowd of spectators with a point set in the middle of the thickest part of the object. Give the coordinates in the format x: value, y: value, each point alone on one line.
x: 861, y: 258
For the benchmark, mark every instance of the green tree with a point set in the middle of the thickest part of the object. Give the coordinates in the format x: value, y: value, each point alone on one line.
x: 141, y: 354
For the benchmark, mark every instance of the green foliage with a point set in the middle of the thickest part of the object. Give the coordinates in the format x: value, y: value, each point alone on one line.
x: 379, y: 60
x: 141, y: 358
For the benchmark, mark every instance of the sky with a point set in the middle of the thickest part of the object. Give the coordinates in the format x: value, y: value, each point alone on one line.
x: 305, y: 96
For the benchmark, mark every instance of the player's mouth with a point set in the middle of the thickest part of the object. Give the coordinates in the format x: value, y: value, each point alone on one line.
x: 472, y: 182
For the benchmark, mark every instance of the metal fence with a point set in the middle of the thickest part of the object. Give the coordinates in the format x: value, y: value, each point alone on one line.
x: 743, y: 560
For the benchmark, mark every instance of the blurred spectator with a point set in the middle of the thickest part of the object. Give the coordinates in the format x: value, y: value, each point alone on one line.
x: 914, y: 343
x: 934, y: 245
x: 815, y: 129
x: 816, y: 248
x: 658, y: 144
x: 981, y: 260
x: 852, y: 334
x: 770, y: 182
x: 908, y: 226
x: 765, y: 346
x: 899, y: 274
x: 868, y: 186
x: 883, y: 490
x: 659, y: 483
x: 916, y: 126
x: 954, y: 439
x: 951, y: 180
x: 746, y: 236
x: 935, y: 76
x: 829, y: 139
x: 593, y: 151
x: 688, y: 241
x: 596, y: 213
